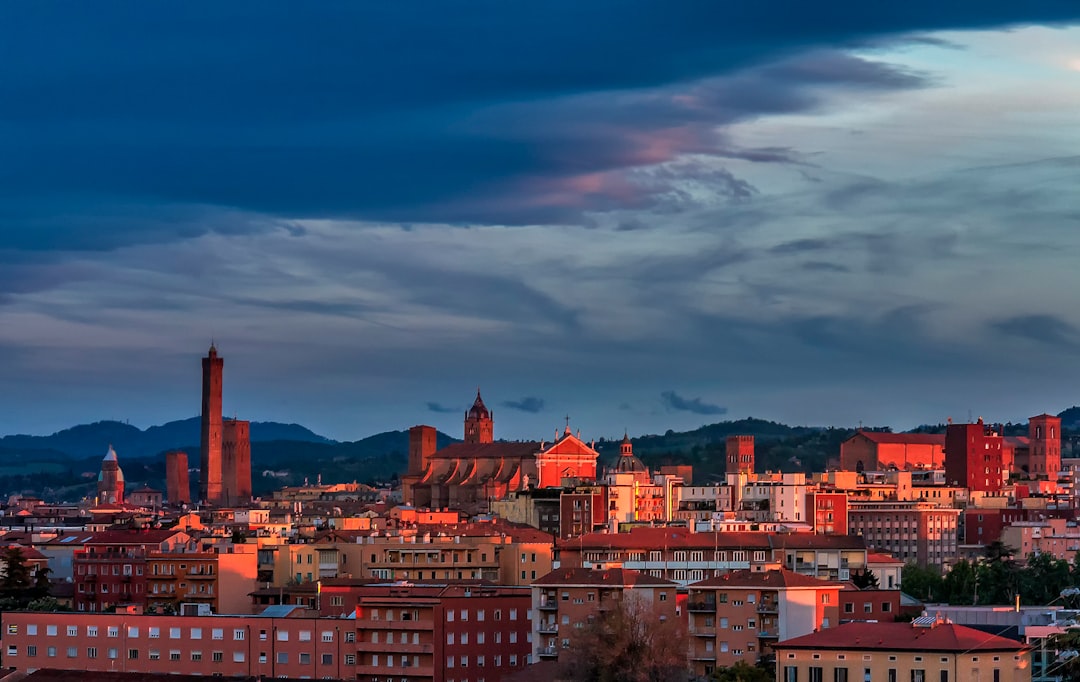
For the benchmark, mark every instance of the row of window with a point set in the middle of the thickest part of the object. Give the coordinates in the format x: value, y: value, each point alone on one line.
x: 133, y: 631
x: 282, y: 657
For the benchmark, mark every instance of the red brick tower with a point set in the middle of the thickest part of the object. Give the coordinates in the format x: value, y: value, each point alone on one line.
x: 236, y: 462
x: 210, y: 471
x: 740, y: 455
x: 1044, y: 433
x: 177, y: 486
x: 422, y: 445
x: 110, y: 487
x: 479, y: 422
x: 973, y: 457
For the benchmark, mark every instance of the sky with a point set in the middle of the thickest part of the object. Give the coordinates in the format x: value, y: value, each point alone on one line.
x: 641, y: 216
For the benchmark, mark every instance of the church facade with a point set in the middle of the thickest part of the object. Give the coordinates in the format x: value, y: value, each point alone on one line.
x: 469, y: 475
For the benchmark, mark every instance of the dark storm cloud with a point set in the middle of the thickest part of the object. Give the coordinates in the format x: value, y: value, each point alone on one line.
x: 441, y: 409
x: 1050, y: 330
x: 530, y: 404
x: 381, y: 110
x: 674, y: 401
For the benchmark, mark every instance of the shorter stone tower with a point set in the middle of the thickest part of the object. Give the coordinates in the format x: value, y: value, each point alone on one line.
x: 177, y: 483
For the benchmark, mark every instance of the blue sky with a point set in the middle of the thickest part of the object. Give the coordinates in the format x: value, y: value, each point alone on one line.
x: 644, y: 216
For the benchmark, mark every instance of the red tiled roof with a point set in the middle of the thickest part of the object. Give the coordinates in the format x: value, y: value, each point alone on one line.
x: 774, y: 579
x: 881, y: 437
x: 661, y: 538
x: 943, y: 637
x: 478, y: 450
x: 612, y: 576
x: 882, y: 558
x: 132, y: 537
x: 814, y: 541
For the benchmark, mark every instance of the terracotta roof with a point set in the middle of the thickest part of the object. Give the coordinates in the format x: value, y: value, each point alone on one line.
x: 27, y: 552
x: 612, y: 576
x: 882, y: 558
x: 660, y: 538
x: 943, y: 637
x: 132, y: 537
x: 497, y: 449
x: 881, y: 437
x: 814, y: 541
x: 775, y: 579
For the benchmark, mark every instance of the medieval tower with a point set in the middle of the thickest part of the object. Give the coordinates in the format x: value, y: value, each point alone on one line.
x: 210, y: 471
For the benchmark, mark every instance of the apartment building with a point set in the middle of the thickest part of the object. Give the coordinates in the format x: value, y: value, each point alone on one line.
x: 499, y: 552
x: 111, y: 567
x: 739, y: 615
x: 685, y: 557
x: 568, y: 599
x: 927, y: 650
x: 263, y: 646
x: 222, y: 579
x: 919, y: 532
x: 441, y: 633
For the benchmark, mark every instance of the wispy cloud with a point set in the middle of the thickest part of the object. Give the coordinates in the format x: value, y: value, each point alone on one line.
x: 530, y: 404
x: 674, y: 401
x: 441, y: 409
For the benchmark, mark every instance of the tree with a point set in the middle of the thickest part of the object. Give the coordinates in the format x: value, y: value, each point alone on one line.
x: 922, y: 583
x: 628, y: 643
x: 743, y: 672
x: 865, y: 579
x: 16, y: 573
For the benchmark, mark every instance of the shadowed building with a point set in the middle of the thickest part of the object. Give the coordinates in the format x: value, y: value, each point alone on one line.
x: 110, y: 487
x: 210, y: 470
x: 235, y: 462
x: 177, y: 485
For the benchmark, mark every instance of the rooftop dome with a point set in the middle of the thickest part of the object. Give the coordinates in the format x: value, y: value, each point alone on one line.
x: 630, y: 464
x: 478, y: 409
x: 110, y: 456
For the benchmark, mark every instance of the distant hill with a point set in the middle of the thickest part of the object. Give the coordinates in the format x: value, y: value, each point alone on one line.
x: 88, y: 440
x: 65, y: 464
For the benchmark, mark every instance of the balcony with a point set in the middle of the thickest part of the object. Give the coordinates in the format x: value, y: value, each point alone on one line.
x: 550, y: 605
x: 768, y: 634
x: 706, y: 606
x: 768, y: 607
x: 548, y: 628
x: 548, y: 652
x: 703, y: 631
x: 415, y: 671
x: 703, y: 656
x: 379, y: 647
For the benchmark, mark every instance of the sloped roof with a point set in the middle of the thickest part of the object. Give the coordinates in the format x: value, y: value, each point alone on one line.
x: 775, y: 579
x: 496, y: 449
x: 673, y: 538
x: 943, y: 637
x: 881, y: 437
x: 623, y: 577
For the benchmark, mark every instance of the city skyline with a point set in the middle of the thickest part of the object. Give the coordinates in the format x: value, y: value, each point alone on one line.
x: 648, y: 219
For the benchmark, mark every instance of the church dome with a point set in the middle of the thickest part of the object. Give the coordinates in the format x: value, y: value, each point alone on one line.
x: 630, y: 464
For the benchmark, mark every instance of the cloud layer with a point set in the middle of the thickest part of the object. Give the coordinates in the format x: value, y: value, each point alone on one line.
x: 700, y: 196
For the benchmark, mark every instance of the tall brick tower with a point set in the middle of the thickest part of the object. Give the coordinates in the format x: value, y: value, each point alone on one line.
x: 479, y: 422
x: 177, y: 485
x: 210, y: 476
x: 1044, y: 433
x: 740, y: 455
